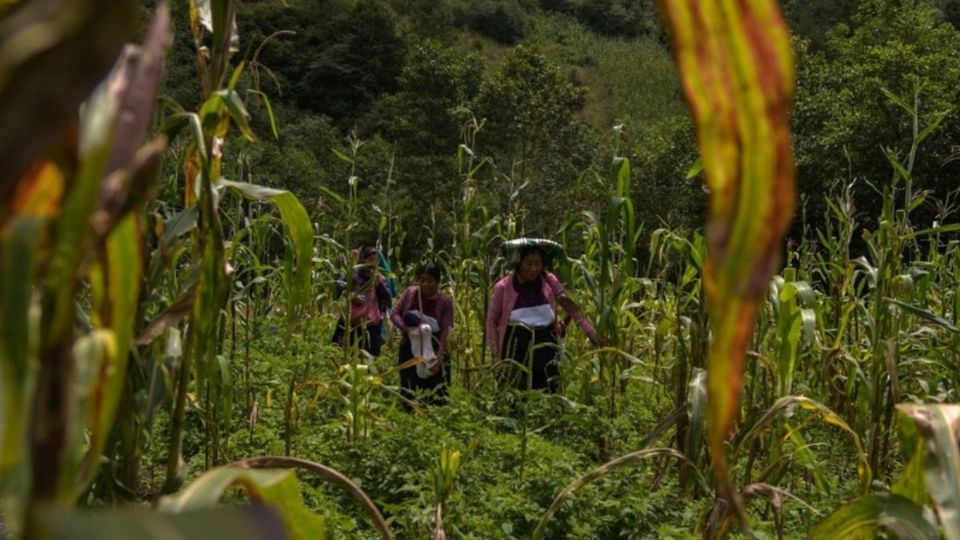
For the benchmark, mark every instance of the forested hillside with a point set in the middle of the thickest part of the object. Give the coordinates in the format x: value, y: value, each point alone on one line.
x: 551, y: 80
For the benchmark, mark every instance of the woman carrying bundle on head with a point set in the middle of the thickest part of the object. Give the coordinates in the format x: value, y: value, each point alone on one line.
x: 425, y: 317
x: 522, y: 324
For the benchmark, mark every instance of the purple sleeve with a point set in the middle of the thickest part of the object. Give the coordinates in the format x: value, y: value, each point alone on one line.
x: 570, y: 306
x: 556, y: 285
x: 403, y: 305
x: 384, y: 298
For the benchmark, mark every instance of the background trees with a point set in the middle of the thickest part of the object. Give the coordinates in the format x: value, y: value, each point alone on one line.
x: 549, y: 80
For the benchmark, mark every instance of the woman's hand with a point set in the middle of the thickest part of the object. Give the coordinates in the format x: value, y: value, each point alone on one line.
x: 600, y: 342
x: 435, y: 368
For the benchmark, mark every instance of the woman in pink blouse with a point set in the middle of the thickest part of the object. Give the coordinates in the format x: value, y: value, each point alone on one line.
x: 522, y: 323
x: 424, y: 303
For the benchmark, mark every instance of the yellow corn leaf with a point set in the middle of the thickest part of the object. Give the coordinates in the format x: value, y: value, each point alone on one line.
x: 737, y: 71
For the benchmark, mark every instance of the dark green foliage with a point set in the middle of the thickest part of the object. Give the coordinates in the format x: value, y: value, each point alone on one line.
x: 619, y: 17
x: 628, y: 18
x: 399, y: 71
x: 421, y: 117
x: 663, y: 160
x: 531, y: 112
x: 505, y: 21
x: 950, y: 10
x: 811, y: 19
x: 361, y: 61
x: 428, y: 19
x: 339, y: 60
x: 843, y: 120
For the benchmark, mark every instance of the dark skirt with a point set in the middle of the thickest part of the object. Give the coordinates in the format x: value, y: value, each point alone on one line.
x: 544, y: 371
x: 368, y: 337
x: 429, y: 391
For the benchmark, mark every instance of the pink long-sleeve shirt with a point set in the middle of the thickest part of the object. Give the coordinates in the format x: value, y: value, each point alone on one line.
x: 505, y: 296
x: 444, y: 313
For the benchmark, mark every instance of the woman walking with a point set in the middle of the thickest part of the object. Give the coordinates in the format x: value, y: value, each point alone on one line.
x: 522, y: 323
x: 424, y: 304
x: 369, y: 298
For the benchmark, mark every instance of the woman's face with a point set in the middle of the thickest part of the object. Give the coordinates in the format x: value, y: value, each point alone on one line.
x: 370, y: 264
x: 428, y: 285
x: 531, y: 267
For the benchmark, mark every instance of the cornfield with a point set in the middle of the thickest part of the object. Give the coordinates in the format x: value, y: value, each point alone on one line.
x: 165, y: 360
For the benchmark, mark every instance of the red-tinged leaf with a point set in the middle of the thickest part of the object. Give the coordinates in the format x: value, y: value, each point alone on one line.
x: 177, y: 312
x: 38, y: 193
x: 126, y: 189
x: 737, y: 72
x: 138, y: 88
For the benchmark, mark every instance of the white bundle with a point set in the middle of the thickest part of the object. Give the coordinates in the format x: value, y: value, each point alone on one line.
x: 421, y: 344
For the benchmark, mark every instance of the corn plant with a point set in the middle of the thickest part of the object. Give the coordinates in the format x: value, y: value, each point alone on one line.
x: 443, y: 475
x: 612, y: 278
x: 73, y: 227
x: 203, y: 188
x: 73, y: 244
x: 929, y: 477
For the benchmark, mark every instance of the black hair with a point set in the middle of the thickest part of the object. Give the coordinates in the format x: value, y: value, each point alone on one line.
x: 368, y: 251
x: 526, y: 251
x: 431, y: 268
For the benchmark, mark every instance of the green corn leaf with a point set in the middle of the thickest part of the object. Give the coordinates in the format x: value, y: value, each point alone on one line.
x: 938, y: 119
x: 910, y: 483
x: 695, y: 169
x: 235, y: 77
x: 898, y: 167
x: 924, y: 314
x: 898, y: 101
x: 241, y: 523
x: 238, y: 112
x: 277, y: 489
x: 863, y: 518
x: 806, y: 457
x: 179, y: 225
x: 785, y: 405
x: 953, y: 227
x: 795, y: 326
x: 937, y: 426
x: 97, y: 367
x: 298, y: 227
x: 342, y: 156
x: 19, y: 242
x: 270, y: 115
